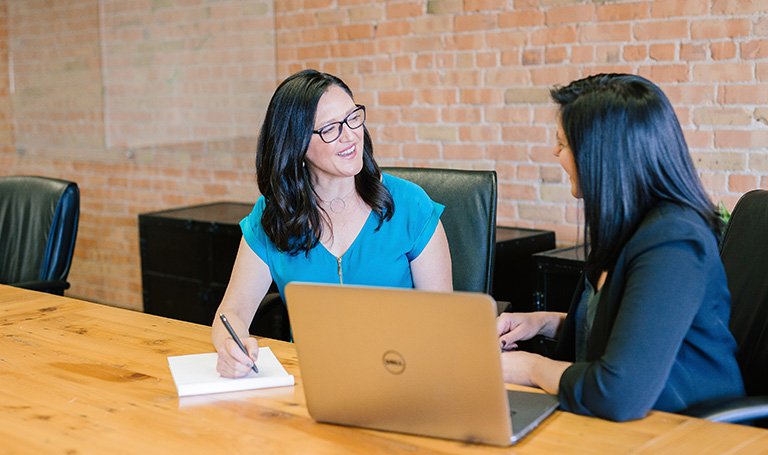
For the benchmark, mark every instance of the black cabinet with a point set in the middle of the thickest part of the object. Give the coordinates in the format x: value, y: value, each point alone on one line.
x: 187, y: 256
x: 514, y: 269
x: 557, y: 274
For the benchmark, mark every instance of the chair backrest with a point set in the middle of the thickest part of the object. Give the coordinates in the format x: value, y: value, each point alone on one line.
x: 38, y: 227
x: 744, y: 251
x: 469, y: 219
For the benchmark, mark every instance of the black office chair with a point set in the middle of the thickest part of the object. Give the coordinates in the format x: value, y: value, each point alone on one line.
x: 469, y: 219
x: 38, y: 227
x: 744, y: 251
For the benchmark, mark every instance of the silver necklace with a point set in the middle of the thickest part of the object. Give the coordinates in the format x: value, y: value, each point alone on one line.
x: 338, y: 204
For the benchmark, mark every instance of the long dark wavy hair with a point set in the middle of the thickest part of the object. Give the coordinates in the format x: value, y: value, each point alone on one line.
x: 292, y: 217
x: 630, y: 155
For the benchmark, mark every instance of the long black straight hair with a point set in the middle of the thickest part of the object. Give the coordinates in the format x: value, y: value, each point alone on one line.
x: 292, y: 218
x: 630, y: 154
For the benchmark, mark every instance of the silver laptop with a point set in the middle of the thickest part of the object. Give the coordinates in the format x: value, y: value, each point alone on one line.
x: 425, y: 363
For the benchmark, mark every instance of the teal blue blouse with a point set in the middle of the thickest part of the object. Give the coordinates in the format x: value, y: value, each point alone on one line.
x: 376, y: 257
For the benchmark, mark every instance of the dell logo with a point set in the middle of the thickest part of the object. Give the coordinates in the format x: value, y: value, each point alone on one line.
x: 393, y: 362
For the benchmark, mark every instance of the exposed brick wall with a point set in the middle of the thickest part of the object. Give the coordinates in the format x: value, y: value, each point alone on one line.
x: 146, y: 105
x: 6, y: 117
x: 451, y: 83
x: 464, y: 83
x: 56, y: 68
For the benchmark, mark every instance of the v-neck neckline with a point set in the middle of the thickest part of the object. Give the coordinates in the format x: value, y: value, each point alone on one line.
x: 354, y: 242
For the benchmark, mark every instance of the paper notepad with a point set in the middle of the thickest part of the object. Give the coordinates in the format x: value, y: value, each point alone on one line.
x: 196, y: 374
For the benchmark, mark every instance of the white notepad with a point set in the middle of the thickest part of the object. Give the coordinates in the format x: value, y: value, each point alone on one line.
x: 196, y: 374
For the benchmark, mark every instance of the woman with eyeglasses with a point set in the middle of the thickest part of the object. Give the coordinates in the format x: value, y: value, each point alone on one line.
x: 326, y: 214
x: 648, y: 325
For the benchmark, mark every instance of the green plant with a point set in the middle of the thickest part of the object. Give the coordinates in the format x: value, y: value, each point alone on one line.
x: 722, y: 210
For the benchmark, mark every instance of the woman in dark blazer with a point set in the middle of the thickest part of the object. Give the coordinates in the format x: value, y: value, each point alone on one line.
x: 648, y: 325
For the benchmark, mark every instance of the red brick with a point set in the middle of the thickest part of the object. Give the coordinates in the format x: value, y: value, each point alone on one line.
x: 462, y: 78
x: 741, y: 139
x: 421, y: 150
x: 474, y: 22
x: 582, y: 54
x: 396, y: 98
x: 532, y: 57
x: 737, y: 7
x: 355, y: 32
x: 690, y: 94
x: 420, y: 115
x: 761, y: 71
x: 507, y: 152
x: 393, y: 28
x: 611, y: 12
x: 400, y: 134
x: 506, y: 39
x: 741, y: 183
x: 600, y: 33
x: 464, y: 42
x: 461, y: 114
x: 444, y: 96
x: 527, y: 172
x: 666, y: 30
x: 722, y: 72
x: 517, y: 192
x: 662, y: 52
x: 479, y: 133
x: 480, y: 96
x: 463, y: 152
x: 721, y: 116
x: 673, y: 8
x: 518, y: 19
x: 608, y: 54
x: 713, y: 181
x: 420, y: 79
x: 487, y: 59
x: 722, y: 161
x: 716, y: 29
x: 429, y: 25
x: 484, y: 5
x: 555, y: 54
x: 568, y: 14
x: 403, y: 9
x: 511, y: 57
x: 753, y: 50
x: 634, y: 53
x: 554, y: 35
x: 527, y: 134
x: 723, y: 50
x: 666, y: 73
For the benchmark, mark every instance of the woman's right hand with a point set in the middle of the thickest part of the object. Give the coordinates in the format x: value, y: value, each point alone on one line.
x: 234, y: 363
x: 513, y: 327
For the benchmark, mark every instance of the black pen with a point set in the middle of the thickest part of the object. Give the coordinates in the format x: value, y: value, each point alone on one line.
x: 236, y: 338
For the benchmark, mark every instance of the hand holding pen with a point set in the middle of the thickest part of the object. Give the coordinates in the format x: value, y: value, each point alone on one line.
x: 236, y: 339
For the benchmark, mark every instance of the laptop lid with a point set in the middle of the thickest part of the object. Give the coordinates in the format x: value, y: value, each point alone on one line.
x: 402, y: 360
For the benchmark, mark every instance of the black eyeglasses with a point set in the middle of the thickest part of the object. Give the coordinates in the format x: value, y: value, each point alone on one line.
x: 331, y: 131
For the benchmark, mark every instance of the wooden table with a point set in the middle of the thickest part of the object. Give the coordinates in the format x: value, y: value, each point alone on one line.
x: 78, y: 377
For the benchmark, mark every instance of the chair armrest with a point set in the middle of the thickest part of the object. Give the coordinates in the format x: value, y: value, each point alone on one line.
x: 49, y: 286
x: 731, y: 410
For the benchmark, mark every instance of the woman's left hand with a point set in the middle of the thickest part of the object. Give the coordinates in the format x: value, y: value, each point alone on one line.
x: 516, y: 367
x: 533, y: 370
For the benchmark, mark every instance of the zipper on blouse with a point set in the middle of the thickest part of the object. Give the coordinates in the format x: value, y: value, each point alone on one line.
x: 338, y: 268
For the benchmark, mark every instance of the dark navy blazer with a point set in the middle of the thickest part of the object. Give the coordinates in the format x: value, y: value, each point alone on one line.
x: 660, y: 337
